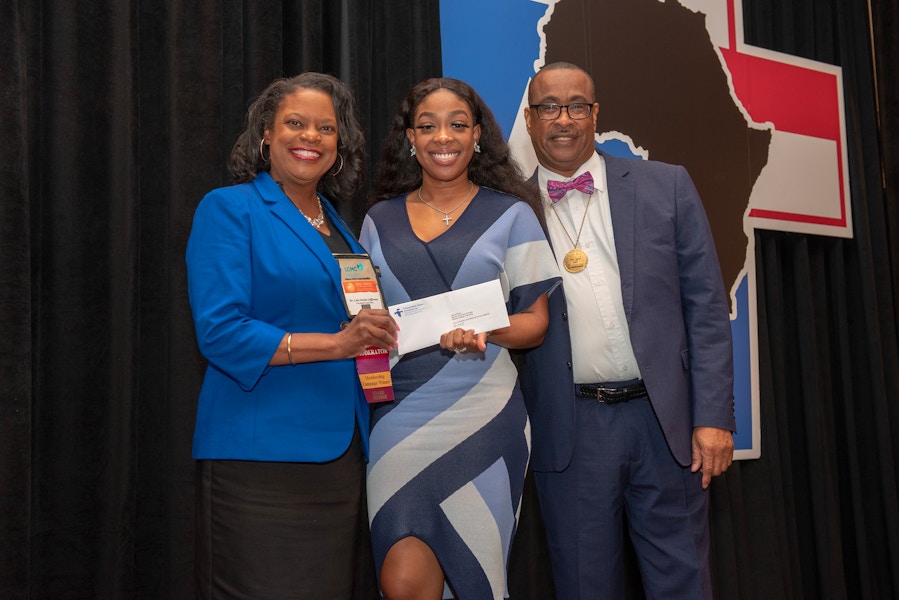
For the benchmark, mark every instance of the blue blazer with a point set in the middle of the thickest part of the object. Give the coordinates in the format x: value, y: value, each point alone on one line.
x: 256, y: 270
x: 676, y: 309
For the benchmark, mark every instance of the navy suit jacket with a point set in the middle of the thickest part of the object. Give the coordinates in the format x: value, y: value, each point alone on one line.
x: 256, y: 270
x: 676, y: 309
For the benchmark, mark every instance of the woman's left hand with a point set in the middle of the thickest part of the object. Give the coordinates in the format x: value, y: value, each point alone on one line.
x: 464, y: 340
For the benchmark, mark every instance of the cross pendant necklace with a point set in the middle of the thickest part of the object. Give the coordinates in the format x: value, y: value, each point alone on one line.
x: 446, y: 213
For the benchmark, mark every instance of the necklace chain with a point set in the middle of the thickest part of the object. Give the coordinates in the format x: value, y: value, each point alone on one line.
x: 317, y: 221
x: 574, y: 242
x: 574, y: 260
x: 446, y: 213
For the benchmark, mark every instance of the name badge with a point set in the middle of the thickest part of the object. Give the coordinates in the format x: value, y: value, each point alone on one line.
x: 361, y: 289
x: 359, y: 279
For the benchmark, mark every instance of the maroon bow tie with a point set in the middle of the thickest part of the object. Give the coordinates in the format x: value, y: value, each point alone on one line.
x: 558, y: 189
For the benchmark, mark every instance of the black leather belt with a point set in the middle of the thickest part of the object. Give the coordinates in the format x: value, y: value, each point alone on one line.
x: 610, y: 395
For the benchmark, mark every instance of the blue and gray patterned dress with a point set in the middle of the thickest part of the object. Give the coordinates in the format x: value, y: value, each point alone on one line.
x: 448, y: 456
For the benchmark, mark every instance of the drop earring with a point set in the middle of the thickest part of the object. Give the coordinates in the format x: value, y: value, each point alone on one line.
x: 412, y: 151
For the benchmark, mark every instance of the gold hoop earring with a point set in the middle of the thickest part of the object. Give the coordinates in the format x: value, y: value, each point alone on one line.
x: 340, y: 168
x: 262, y: 154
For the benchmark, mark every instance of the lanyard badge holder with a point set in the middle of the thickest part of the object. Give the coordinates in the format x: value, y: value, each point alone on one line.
x: 359, y: 281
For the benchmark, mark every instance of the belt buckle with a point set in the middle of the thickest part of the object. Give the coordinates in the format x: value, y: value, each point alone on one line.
x: 608, y: 395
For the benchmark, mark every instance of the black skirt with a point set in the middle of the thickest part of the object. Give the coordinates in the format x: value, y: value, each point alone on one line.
x: 279, y: 530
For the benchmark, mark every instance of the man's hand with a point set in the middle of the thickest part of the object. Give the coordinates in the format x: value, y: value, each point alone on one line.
x: 713, y: 452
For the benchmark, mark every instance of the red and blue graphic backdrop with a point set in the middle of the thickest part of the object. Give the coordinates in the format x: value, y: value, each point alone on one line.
x: 761, y: 133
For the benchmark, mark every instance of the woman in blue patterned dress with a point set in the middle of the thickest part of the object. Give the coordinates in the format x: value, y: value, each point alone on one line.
x: 448, y: 456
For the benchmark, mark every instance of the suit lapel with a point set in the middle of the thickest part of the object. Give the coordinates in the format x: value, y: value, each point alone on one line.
x: 535, y: 181
x: 622, y: 207
x: 283, y: 209
x: 341, y: 227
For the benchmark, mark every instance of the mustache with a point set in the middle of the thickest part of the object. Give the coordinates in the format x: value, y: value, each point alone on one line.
x: 563, y: 130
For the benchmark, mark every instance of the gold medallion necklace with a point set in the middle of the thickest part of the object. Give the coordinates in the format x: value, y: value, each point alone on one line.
x: 575, y: 260
x: 446, y: 213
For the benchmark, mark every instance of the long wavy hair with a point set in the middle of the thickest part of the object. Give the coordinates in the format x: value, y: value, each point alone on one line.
x: 493, y: 166
x: 340, y: 183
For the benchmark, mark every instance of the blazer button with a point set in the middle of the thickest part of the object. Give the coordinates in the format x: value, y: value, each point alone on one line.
x: 569, y: 365
x: 564, y: 316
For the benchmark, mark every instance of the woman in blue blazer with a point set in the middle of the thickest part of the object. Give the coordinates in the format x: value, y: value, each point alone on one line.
x: 282, y: 423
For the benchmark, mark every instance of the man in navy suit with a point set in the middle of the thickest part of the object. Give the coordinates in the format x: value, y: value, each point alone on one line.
x: 631, y: 393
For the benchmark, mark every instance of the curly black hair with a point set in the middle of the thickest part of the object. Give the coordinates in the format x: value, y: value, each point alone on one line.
x: 342, y: 182
x: 493, y: 166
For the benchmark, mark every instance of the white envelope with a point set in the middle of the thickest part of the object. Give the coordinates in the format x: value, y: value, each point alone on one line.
x: 481, y: 307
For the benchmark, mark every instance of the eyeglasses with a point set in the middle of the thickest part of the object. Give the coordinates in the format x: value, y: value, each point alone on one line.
x: 551, y: 112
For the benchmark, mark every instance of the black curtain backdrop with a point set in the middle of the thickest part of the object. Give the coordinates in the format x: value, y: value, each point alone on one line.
x: 119, y: 115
